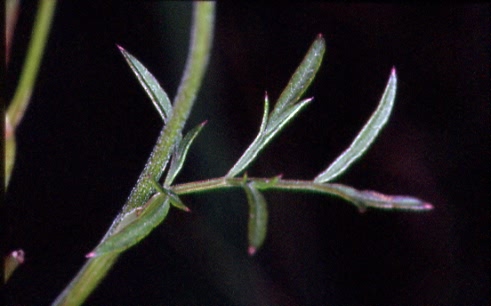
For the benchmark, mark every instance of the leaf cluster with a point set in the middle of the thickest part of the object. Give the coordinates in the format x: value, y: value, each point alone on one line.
x: 154, y: 194
x: 135, y: 225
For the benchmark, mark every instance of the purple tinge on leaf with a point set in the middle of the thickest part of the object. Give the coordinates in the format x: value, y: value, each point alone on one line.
x: 90, y: 255
x: 394, y: 201
x: 251, y: 250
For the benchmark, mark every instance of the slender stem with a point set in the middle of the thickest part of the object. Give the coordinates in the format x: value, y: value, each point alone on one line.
x: 24, y: 89
x: 11, y: 15
x: 361, y: 199
x: 195, y: 67
x: 280, y: 184
x: 35, y: 52
x: 96, y: 268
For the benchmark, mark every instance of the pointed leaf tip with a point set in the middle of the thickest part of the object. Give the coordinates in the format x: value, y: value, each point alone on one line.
x: 427, y: 206
x: 308, y: 100
x: 150, y: 84
x: 366, y: 136
x: 258, y: 217
x: 393, y: 71
x: 251, y: 250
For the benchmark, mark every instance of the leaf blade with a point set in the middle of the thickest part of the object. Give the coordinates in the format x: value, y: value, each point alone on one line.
x: 286, y: 107
x: 369, y: 198
x: 152, y: 215
x: 258, y: 218
x: 181, y: 152
x: 366, y: 136
x: 150, y: 84
x: 253, y: 150
x: 302, y: 77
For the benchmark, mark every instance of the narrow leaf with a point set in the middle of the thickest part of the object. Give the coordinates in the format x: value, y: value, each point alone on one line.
x: 366, y: 136
x: 270, y: 133
x: 127, y: 219
x: 173, y: 197
x: 266, y: 134
x: 258, y: 218
x: 11, y: 262
x: 152, y: 87
x: 175, y: 200
x: 180, y: 154
x: 303, y: 76
x: 286, y: 107
x: 373, y: 199
x: 276, y: 125
x: 264, y: 120
x: 252, y: 151
x: 152, y: 215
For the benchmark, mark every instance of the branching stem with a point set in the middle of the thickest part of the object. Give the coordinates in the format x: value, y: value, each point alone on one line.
x: 361, y: 199
x: 96, y: 268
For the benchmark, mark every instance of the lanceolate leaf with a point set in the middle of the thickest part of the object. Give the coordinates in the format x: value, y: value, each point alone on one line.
x: 153, y: 213
x: 286, y: 107
x: 275, y: 125
x: 179, y: 155
x: 173, y: 197
x: 11, y: 262
x: 150, y: 84
x: 368, y: 198
x: 303, y: 76
x: 127, y: 219
x: 252, y: 151
x: 366, y: 136
x: 258, y: 217
x: 175, y: 200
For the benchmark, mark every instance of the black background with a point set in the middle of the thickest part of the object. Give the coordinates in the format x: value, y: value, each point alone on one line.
x: 90, y: 127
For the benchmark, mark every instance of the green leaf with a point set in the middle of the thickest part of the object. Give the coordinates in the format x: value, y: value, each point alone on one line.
x: 254, y: 148
x: 275, y: 125
x: 153, y: 213
x: 264, y: 120
x: 179, y: 155
x: 286, y: 107
x: 127, y: 219
x: 11, y: 262
x: 152, y: 87
x: 173, y: 197
x: 175, y: 200
x: 258, y: 218
x: 366, y: 136
x: 303, y: 76
x: 368, y: 198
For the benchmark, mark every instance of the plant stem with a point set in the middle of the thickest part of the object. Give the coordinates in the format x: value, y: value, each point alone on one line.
x: 95, y: 269
x: 35, y: 52
x: 361, y: 199
x: 24, y: 89
x: 280, y: 184
x: 183, y: 103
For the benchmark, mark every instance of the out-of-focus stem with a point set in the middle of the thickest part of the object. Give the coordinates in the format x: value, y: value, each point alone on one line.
x: 28, y: 76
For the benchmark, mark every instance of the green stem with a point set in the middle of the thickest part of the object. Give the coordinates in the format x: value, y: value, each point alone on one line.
x: 280, y: 184
x: 193, y: 75
x: 35, y: 52
x: 24, y: 89
x: 95, y: 269
x: 361, y: 199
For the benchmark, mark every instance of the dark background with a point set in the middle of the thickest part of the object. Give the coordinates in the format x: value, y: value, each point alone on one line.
x: 90, y: 127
